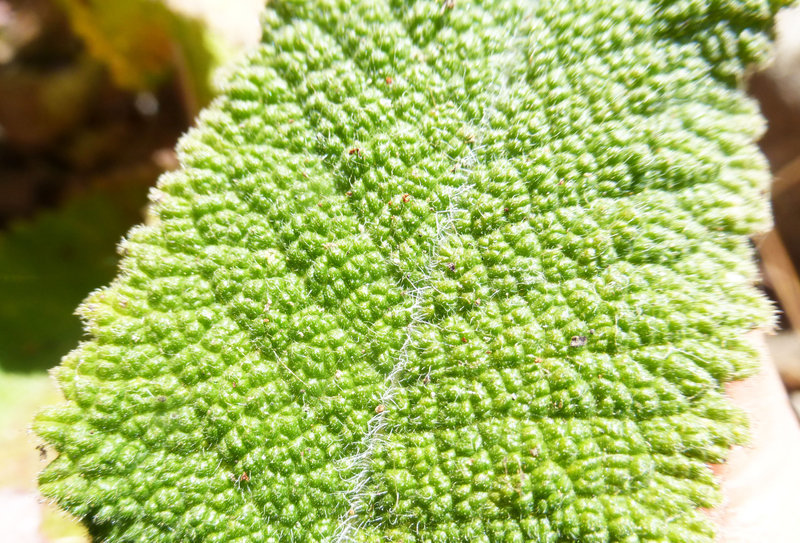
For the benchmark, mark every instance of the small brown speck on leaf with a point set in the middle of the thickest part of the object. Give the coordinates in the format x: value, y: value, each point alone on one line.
x: 578, y: 341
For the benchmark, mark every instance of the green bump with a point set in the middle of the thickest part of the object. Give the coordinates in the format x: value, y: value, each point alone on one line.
x: 435, y: 271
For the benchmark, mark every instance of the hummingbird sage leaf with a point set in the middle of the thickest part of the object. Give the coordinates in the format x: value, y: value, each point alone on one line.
x: 435, y: 271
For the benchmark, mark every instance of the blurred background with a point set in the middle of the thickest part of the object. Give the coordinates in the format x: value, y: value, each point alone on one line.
x: 777, y: 89
x: 93, y: 96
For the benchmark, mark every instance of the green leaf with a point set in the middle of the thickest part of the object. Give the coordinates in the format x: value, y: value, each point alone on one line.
x: 434, y: 271
x: 48, y: 265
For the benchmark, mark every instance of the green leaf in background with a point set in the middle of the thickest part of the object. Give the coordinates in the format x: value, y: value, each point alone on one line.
x: 435, y: 271
x: 49, y: 264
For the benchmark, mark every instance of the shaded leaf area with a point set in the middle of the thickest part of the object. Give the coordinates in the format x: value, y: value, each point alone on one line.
x: 48, y: 265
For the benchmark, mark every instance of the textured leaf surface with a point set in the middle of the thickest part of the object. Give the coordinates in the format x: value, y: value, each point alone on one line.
x: 435, y: 271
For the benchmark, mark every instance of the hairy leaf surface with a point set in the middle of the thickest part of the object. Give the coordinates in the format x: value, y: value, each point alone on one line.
x: 435, y: 271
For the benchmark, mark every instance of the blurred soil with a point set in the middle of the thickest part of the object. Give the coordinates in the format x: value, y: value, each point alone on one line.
x: 65, y: 127
x: 777, y: 89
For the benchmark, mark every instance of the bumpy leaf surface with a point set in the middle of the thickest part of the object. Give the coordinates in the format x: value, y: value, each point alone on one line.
x: 435, y: 271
